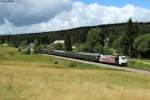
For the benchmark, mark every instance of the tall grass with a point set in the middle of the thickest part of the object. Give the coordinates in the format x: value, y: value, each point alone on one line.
x: 38, y: 83
x: 6, y: 51
x: 139, y: 64
x: 37, y: 77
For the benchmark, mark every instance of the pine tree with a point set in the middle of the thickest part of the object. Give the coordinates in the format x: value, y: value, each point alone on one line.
x: 68, y: 43
x: 128, y: 38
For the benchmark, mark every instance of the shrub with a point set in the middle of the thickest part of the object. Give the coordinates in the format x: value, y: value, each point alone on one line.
x: 37, y: 49
x: 27, y: 51
x: 11, y: 53
x: 55, y: 62
x: 58, y: 46
x: 82, y: 47
x: 73, y: 64
x: 142, y: 46
x: 19, y: 49
x: 107, y: 51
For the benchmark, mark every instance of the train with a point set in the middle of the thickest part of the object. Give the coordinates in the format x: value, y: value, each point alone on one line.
x: 119, y: 60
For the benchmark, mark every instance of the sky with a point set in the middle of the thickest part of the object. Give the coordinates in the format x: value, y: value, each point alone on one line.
x: 120, y: 3
x: 32, y: 16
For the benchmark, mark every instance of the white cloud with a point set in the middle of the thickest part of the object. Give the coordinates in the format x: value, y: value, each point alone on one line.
x: 79, y: 14
x: 26, y: 12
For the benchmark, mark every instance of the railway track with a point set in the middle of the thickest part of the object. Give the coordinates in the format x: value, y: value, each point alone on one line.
x: 103, y: 65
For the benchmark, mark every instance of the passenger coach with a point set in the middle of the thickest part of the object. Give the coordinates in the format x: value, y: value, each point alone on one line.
x: 96, y: 57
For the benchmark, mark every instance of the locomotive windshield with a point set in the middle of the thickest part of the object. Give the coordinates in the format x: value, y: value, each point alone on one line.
x: 123, y: 58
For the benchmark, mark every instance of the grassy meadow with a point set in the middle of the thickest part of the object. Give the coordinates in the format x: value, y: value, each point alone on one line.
x: 139, y: 64
x: 38, y: 77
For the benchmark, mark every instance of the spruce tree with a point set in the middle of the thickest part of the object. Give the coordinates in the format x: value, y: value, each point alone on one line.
x: 68, y: 44
x: 128, y: 39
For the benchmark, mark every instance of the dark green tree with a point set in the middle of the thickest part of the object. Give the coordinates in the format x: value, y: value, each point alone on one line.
x: 68, y: 43
x: 82, y: 47
x: 142, y: 45
x: 128, y: 39
x: 58, y: 46
x: 37, y: 48
x: 117, y: 45
x: 138, y: 29
x: 94, y: 40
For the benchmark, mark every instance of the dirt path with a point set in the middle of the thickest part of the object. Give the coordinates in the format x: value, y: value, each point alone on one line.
x: 104, y: 65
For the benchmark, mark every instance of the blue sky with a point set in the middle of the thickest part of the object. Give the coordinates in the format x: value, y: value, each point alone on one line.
x: 120, y: 3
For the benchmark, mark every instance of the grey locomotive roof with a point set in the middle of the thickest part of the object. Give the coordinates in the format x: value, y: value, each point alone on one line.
x: 82, y: 53
x: 94, y: 54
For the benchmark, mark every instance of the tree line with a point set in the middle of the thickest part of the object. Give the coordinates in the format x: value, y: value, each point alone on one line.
x: 131, y: 39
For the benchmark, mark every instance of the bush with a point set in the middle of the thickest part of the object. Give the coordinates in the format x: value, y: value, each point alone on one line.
x: 37, y: 50
x: 19, y: 49
x: 98, y: 49
x: 107, y: 51
x: 58, y: 46
x: 142, y: 46
x: 27, y: 51
x: 82, y: 47
x: 117, y: 45
x: 73, y: 64
x: 11, y: 53
x: 55, y: 62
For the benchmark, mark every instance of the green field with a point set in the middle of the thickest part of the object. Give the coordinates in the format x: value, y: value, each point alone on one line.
x: 140, y: 64
x: 38, y: 77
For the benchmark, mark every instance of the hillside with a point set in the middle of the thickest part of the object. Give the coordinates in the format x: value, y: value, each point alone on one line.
x: 77, y: 34
x: 38, y: 77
